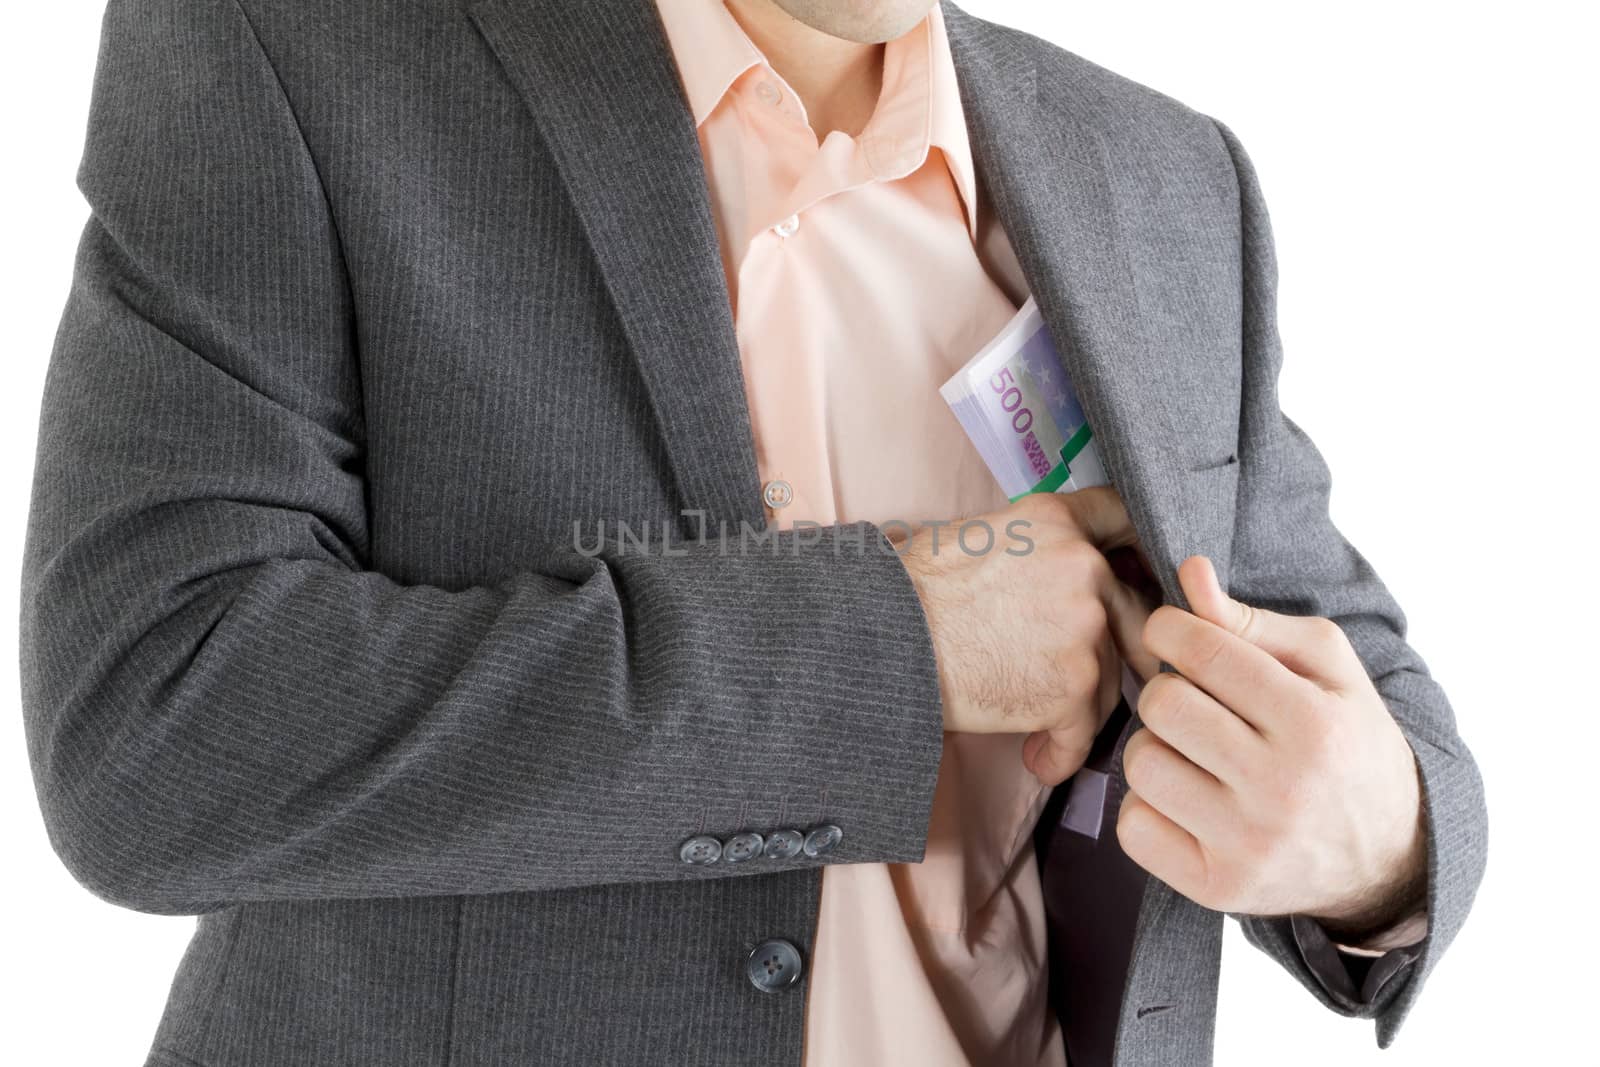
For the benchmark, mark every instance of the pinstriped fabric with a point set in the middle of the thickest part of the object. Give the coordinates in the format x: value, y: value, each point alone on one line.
x: 307, y: 648
x: 336, y: 981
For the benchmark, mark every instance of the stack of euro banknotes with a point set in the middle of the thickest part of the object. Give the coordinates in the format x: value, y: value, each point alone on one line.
x: 1016, y: 402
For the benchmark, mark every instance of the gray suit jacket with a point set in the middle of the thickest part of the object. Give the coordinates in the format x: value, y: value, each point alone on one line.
x: 375, y: 302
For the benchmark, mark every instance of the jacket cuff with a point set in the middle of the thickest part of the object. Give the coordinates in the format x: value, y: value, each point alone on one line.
x: 1354, y: 980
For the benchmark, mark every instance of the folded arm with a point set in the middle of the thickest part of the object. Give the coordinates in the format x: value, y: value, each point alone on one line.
x: 224, y: 702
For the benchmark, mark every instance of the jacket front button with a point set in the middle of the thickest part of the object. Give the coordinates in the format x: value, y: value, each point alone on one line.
x: 774, y: 966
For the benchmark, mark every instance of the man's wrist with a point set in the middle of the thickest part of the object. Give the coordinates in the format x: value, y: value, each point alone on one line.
x: 1380, y: 914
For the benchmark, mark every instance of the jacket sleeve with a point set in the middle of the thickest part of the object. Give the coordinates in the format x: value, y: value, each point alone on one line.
x: 1289, y: 557
x: 223, y: 702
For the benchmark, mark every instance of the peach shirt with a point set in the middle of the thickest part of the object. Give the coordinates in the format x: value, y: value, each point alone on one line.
x: 857, y: 291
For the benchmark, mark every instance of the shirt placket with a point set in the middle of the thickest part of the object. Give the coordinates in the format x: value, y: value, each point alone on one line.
x: 788, y: 403
x: 784, y: 379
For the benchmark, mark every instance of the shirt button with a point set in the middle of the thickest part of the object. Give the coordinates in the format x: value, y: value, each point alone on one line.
x: 777, y: 493
x: 769, y: 93
x: 822, y: 839
x: 741, y: 847
x: 787, y: 227
x: 774, y: 965
x: 702, y: 849
x: 783, y: 844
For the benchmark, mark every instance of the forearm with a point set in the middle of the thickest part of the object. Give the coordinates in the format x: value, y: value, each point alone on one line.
x: 292, y: 728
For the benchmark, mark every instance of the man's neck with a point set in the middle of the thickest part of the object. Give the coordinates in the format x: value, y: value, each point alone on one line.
x: 837, y: 80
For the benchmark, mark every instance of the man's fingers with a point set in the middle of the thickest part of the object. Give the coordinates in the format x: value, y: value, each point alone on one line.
x: 1206, y: 733
x: 1049, y: 760
x: 1030, y: 748
x: 1099, y: 516
x: 1160, y: 845
x: 1127, y: 612
x: 1243, y: 677
x: 1176, y: 787
x: 1304, y: 644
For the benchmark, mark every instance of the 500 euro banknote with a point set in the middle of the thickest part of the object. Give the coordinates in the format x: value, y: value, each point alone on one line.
x: 1016, y: 402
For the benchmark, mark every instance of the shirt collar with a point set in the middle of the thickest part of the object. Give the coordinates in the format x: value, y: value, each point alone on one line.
x: 711, y: 50
x: 920, y: 101
x: 947, y: 122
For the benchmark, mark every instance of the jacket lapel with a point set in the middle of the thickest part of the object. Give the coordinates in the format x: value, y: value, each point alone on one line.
x: 601, y: 81
x: 1046, y: 176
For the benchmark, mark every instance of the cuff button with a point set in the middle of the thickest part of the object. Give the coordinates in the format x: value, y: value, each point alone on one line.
x: 701, y: 850
x: 741, y: 847
x: 822, y: 839
x: 783, y: 844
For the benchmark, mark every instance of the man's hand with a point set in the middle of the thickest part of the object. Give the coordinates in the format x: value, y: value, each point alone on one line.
x: 1033, y: 639
x: 1271, y: 778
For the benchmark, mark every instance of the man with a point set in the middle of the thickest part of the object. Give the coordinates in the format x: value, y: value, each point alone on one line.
x: 381, y: 307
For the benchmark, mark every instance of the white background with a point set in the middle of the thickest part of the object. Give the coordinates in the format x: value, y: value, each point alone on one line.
x: 1430, y: 170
